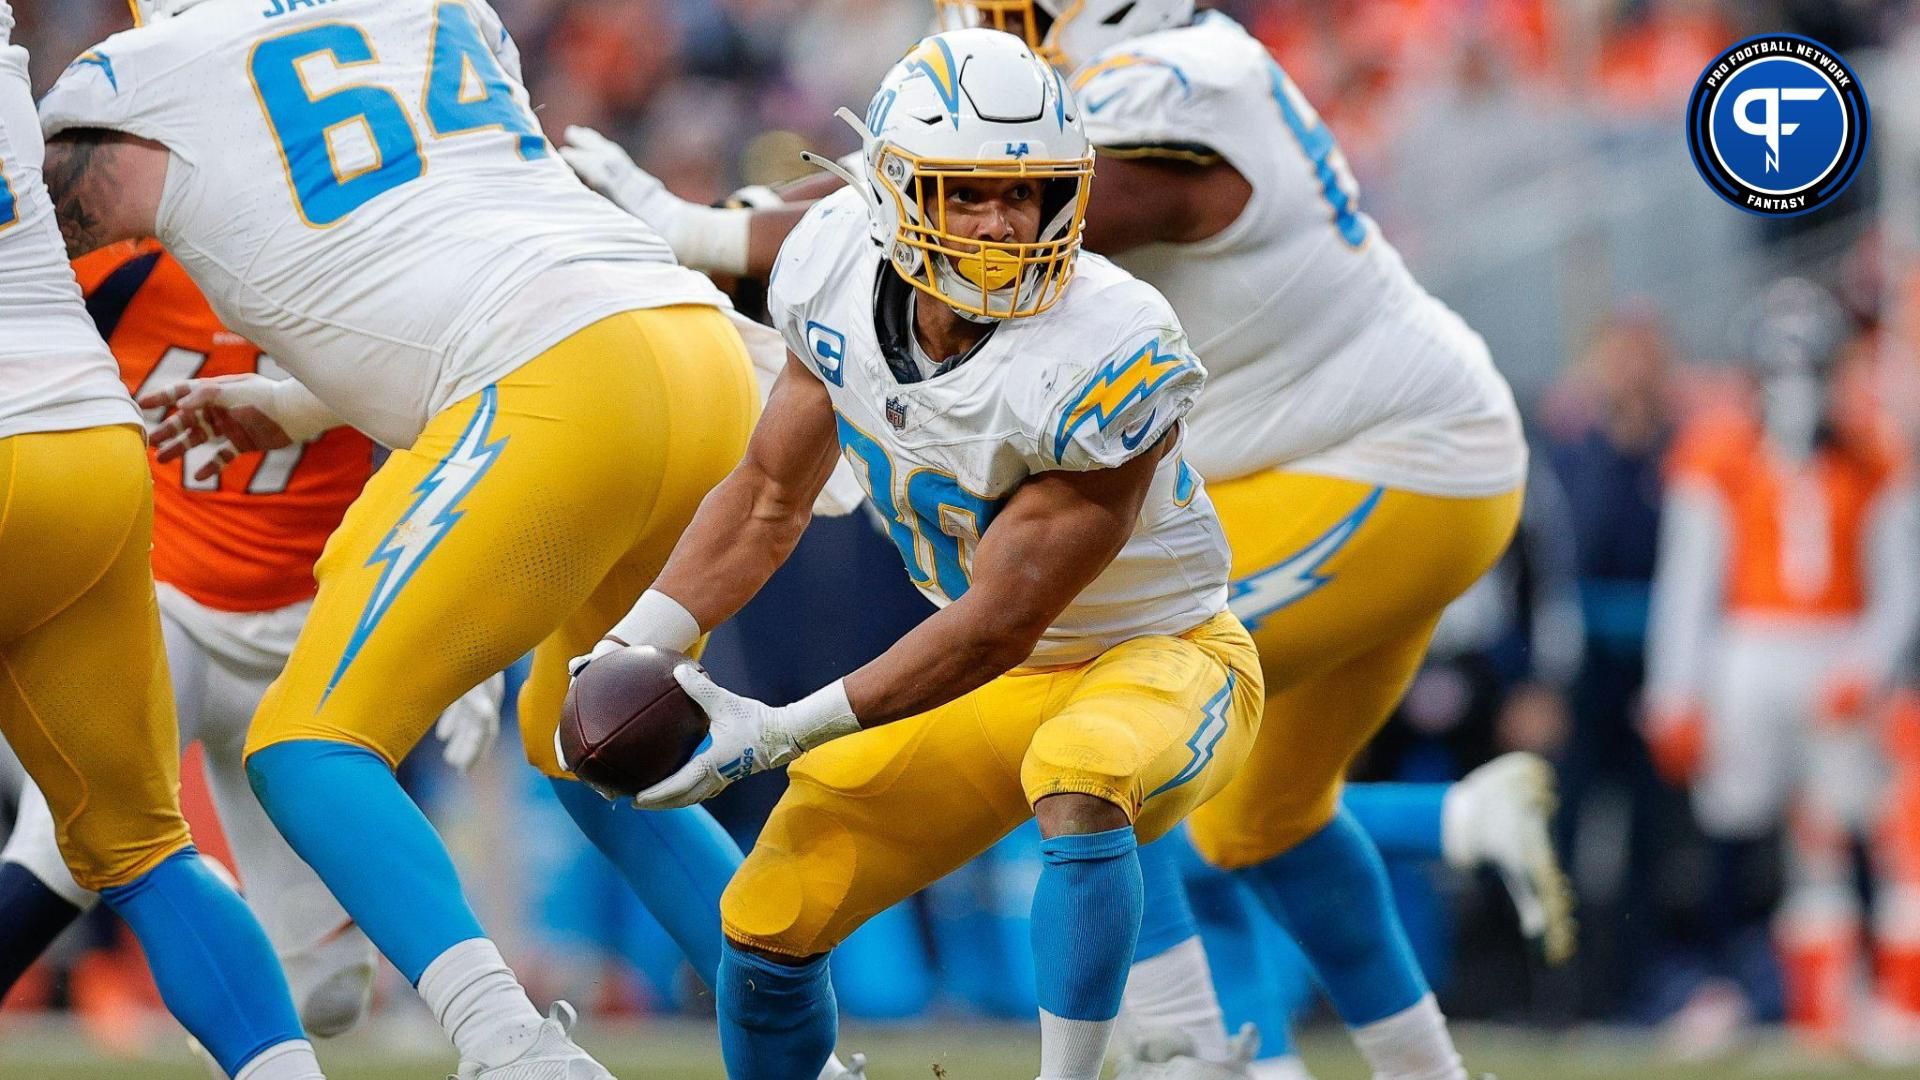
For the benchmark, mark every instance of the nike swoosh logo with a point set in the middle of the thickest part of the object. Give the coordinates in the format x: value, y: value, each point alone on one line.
x: 1096, y: 106
x: 1131, y: 439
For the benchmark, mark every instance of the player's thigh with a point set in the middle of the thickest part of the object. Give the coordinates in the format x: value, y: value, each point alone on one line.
x: 1289, y: 787
x: 870, y: 819
x: 467, y: 549
x: 188, y: 667
x: 700, y: 420
x: 84, y: 696
x: 1325, y: 569
x: 1155, y: 725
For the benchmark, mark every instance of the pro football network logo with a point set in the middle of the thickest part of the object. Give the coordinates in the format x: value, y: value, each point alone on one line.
x: 1778, y: 125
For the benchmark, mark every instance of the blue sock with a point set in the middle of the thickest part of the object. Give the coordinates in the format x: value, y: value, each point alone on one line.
x: 777, y: 1021
x: 677, y: 861
x: 342, y: 810
x: 1166, y: 918
x: 1331, y: 893
x: 213, y: 964
x: 34, y: 915
x: 1402, y: 819
x: 1086, y: 920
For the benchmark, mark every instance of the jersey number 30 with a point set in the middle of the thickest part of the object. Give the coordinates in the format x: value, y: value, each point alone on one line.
x: 466, y: 91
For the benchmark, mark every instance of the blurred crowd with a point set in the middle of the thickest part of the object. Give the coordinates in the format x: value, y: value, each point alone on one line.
x: 1695, y: 916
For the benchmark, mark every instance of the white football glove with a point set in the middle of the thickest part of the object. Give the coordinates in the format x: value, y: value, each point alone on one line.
x: 236, y: 414
x: 703, y: 237
x: 467, y: 729
x: 746, y: 737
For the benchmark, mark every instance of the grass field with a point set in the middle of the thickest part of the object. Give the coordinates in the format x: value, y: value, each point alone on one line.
x: 686, y: 1052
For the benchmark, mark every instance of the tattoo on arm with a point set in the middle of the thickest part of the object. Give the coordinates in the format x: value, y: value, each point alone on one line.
x: 70, y: 176
x: 105, y: 186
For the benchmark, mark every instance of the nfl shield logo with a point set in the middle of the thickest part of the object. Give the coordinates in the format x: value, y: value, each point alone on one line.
x: 896, y: 413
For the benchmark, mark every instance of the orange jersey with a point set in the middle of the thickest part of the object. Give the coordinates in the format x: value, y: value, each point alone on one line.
x: 247, y: 540
x: 1797, y: 536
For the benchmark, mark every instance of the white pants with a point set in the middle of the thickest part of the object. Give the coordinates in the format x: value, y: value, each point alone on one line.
x: 1768, y: 754
x: 222, y: 663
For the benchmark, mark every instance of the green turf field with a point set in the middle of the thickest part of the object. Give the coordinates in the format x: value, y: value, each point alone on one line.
x: 686, y: 1052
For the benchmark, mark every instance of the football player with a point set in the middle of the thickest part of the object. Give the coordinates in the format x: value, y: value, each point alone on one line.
x: 361, y: 189
x: 1784, y: 604
x: 1015, y: 410
x: 84, y: 698
x: 1366, y: 458
x: 233, y: 556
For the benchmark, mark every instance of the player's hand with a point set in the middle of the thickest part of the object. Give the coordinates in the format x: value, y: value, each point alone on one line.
x: 745, y: 736
x: 1846, y: 698
x: 232, y: 412
x: 467, y: 729
x: 606, y: 168
x: 1677, y: 740
x: 600, y: 649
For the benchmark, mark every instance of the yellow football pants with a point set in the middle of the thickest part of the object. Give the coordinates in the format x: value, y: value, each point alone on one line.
x: 528, y: 516
x: 84, y: 696
x: 1341, y: 585
x: 1155, y: 726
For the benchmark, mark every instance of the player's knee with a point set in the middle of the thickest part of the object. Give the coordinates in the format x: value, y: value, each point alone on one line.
x: 332, y: 982
x: 793, y: 900
x: 1078, y: 760
x: 1229, y: 840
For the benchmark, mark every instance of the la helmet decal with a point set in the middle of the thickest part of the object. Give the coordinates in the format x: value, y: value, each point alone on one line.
x: 1778, y: 125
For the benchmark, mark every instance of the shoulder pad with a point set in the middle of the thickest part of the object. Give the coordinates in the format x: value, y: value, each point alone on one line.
x: 820, y: 250
x: 1101, y: 413
x: 1165, y: 89
x: 112, y: 86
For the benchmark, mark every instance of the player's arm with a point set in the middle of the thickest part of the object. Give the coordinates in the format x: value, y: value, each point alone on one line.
x: 747, y: 525
x: 105, y: 186
x: 741, y: 241
x: 1161, y: 197
x: 1056, y: 534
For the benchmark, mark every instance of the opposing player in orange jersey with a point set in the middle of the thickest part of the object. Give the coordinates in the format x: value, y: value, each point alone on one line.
x: 1784, y: 602
x: 233, y: 557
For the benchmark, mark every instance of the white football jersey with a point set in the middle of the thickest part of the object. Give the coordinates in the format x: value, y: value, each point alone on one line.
x: 1085, y: 385
x: 360, y: 187
x: 55, y: 372
x: 1325, y: 353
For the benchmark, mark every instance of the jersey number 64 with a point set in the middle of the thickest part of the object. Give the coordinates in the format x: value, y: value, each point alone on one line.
x: 466, y: 91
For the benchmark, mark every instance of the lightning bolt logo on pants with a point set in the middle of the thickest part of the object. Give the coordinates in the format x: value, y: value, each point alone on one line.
x: 434, y: 512
x: 1254, y: 598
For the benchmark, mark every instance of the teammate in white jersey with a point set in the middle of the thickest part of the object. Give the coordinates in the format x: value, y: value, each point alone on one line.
x: 1366, y: 457
x: 84, y: 696
x: 1015, y: 410
x: 361, y: 189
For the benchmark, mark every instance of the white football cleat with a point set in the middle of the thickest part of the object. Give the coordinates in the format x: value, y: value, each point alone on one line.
x: 551, y: 1055
x: 1168, y: 1054
x: 856, y: 1069
x: 1499, y: 815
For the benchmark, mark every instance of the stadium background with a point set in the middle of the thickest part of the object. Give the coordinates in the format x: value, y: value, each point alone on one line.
x: 1528, y: 159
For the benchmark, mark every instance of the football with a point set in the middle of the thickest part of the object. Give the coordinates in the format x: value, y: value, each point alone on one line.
x: 626, y: 724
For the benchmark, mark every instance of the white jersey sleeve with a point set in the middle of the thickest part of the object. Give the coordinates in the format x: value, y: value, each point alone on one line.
x: 55, y: 372
x: 1148, y: 98
x: 1100, y: 417
x: 811, y: 259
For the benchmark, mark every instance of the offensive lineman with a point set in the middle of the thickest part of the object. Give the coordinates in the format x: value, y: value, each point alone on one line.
x: 84, y: 697
x: 1015, y: 411
x: 233, y: 559
x: 1365, y: 457
x: 362, y: 190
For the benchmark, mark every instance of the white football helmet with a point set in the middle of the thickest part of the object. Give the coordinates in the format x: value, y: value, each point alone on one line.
x: 973, y: 104
x: 1066, y: 33
x: 152, y: 11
